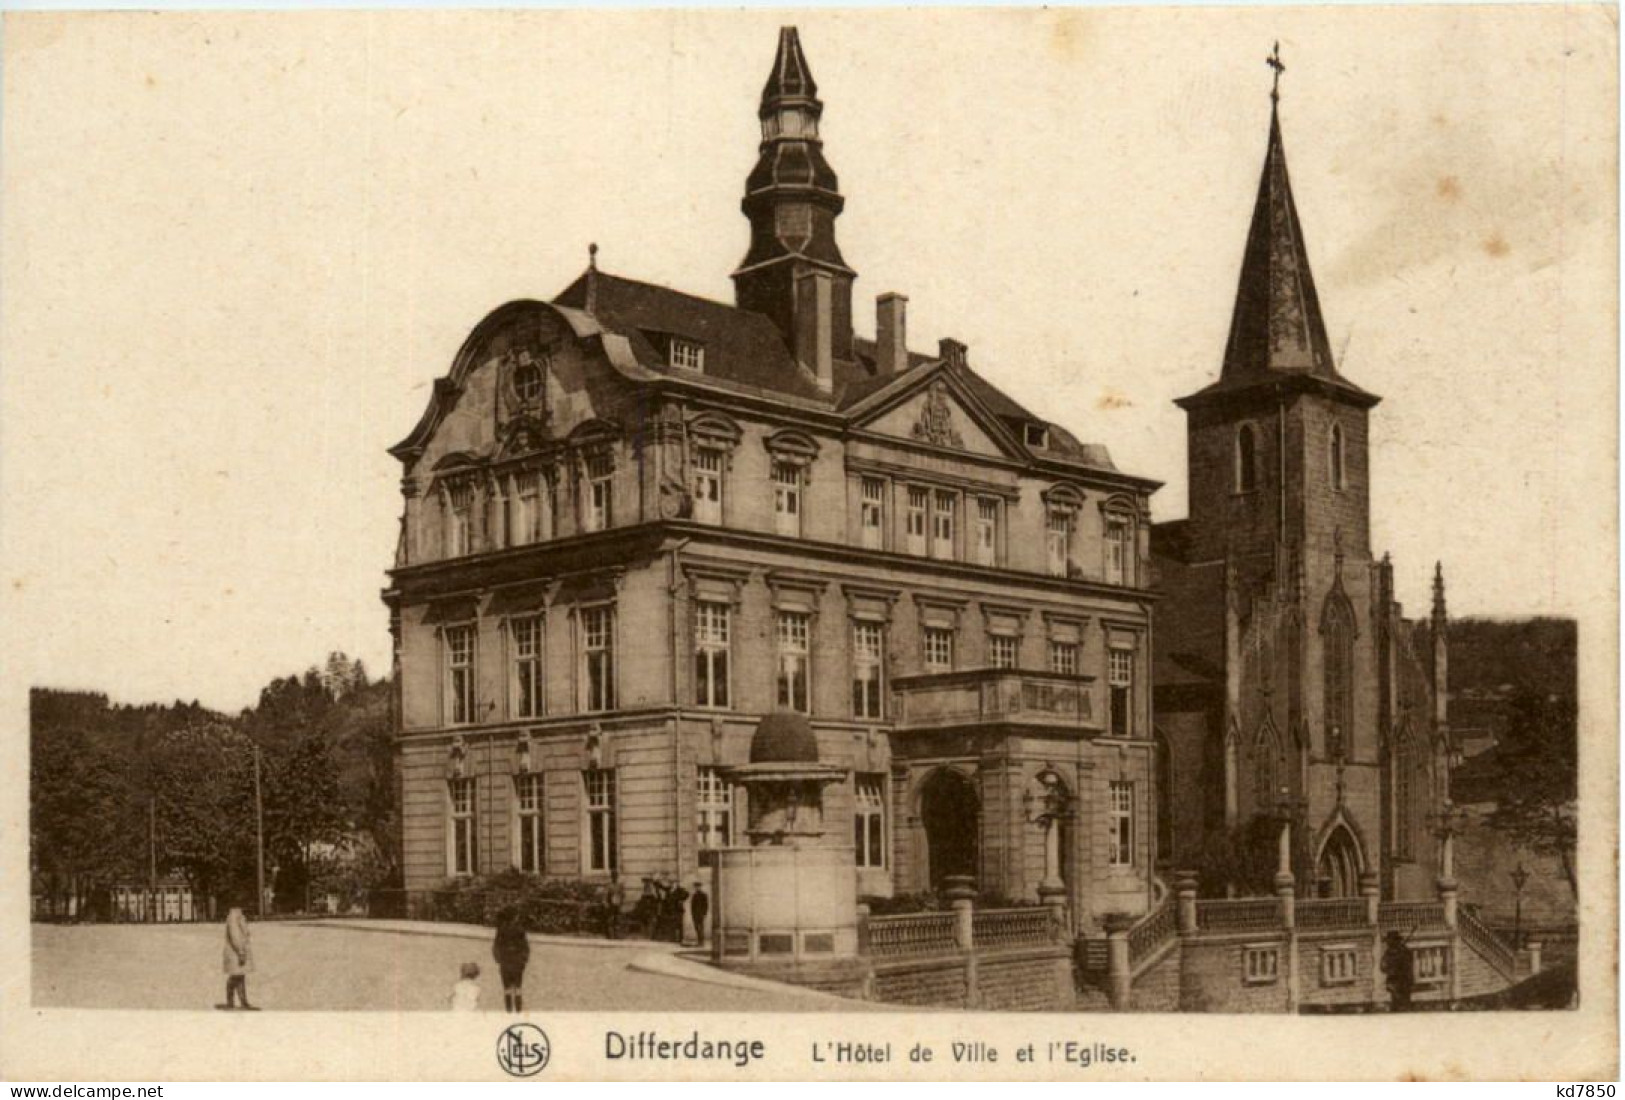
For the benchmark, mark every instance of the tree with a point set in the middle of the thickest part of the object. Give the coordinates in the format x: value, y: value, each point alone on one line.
x: 1535, y: 777
x: 1242, y: 859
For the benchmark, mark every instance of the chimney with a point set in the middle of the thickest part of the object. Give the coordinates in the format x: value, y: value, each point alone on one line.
x: 891, y: 334
x: 815, y: 325
x: 952, y: 352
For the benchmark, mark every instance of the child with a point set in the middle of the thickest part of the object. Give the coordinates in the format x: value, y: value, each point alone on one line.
x: 465, y: 994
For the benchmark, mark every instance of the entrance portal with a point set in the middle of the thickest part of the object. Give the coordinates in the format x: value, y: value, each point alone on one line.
x: 1338, y: 871
x: 951, y: 814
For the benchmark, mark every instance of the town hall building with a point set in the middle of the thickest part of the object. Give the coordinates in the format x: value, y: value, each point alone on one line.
x: 637, y: 524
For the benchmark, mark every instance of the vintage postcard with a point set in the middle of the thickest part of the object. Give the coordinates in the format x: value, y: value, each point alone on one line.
x: 906, y: 544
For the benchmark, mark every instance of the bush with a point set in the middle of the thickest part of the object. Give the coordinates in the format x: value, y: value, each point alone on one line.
x: 555, y: 906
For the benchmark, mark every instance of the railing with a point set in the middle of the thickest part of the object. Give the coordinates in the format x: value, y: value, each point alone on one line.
x: 1315, y: 913
x: 911, y: 934
x: 1156, y: 929
x: 1240, y: 915
x: 1487, y: 944
x: 1028, y: 927
x: 974, y: 696
x: 1406, y: 915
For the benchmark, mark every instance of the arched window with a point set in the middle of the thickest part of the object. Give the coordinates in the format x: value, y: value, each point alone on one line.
x: 1403, y: 764
x: 1339, y: 467
x: 1266, y: 752
x: 1337, y: 636
x: 1246, y: 459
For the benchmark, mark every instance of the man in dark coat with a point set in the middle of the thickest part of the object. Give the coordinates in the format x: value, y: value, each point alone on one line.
x: 614, y: 902
x: 1400, y: 970
x: 699, y: 907
x: 671, y: 912
x: 511, y: 950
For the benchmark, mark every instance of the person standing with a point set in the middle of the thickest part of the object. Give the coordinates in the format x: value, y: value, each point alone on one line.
x: 511, y: 949
x: 699, y: 907
x: 1400, y: 971
x: 614, y: 902
x: 674, y: 904
x: 237, y: 959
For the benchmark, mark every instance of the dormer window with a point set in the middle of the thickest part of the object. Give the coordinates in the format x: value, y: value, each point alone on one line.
x: 687, y: 354
x: 1037, y: 435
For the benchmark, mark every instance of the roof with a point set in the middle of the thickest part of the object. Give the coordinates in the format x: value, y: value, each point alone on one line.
x: 790, y: 78
x: 784, y: 737
x: 1277, y: 330
x: 744, y: 350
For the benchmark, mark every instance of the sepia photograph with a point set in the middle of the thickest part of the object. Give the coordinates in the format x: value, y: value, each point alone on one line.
x: 621, y: 540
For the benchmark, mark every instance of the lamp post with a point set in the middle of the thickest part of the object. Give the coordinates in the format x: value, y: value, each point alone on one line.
x: 1520, y: 879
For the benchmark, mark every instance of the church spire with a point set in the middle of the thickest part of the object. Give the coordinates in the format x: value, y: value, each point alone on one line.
x: 1277, y: 326
x: 792, y: 198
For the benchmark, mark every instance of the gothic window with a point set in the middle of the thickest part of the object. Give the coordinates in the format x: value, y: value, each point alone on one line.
x: 1338, y: 467
x: 1403, y: 762
x: 1266, y: 757
x: 1246, y: 459
x: 1338, y: 676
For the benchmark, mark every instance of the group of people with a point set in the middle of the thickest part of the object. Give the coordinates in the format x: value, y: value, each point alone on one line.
x: 659, y: 911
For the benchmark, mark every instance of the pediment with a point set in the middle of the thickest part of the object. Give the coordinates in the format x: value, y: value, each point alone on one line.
x: 940, y: 414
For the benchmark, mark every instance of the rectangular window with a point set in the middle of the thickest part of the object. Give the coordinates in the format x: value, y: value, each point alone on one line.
x: 714, y: 810
x: 525, y: 513
x: 687, y: 354
x: 868, y: 664
x: 459, y: 675
x: 986, y: 549
x: 711, y: 650
x: 708, y: 462
x: 869, y: 819
x: 794, y: 628
x: 464, y: 833
x: 1431, y: 964
x: 787, y: 498
x: 459, y: 520
x: 914, y: 520
x: 872, y: 514
x: 1339, y: 965
x: 942, y: 524
x: 1119, y: 551
x: 1260, y: 965
x: 1063, y: 657
x: 600, y: 502
x: 939, y: 649
x: 601, y: 848
x: 1120, y: 682
x: 1122, y: 824
x: 528, y: 806
x: 1001, y: 651
x: 1058, y: 541
x: 526, y: 635
x: 598, y: 657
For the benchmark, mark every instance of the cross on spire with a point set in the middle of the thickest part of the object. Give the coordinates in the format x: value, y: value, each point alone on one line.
x: 1274, y: 61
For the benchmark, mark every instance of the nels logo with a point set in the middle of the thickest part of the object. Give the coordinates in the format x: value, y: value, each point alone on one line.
x: 522, y: 1050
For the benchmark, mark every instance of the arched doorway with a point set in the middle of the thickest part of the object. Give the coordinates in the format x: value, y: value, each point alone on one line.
x: 1338, y: 869
x: 951, y: 815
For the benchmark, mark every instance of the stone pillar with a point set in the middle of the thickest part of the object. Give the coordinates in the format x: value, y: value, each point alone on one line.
x: 1120, y: 979
x: 1371, y: 891
x: 1052, y: 855
x: 1286, y: 892
x: 1533, y: 945
x: 1185, y: 892
x: 1054, y: 899
x: 863, y: 928
x: 960, y: 894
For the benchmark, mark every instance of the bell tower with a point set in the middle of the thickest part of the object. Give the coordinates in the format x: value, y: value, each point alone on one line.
x: 793, y: 270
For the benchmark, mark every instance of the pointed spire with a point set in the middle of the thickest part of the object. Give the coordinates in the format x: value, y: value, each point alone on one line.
x: 1439, y: 611
x: 1277, y: 324
x: 790, y: 78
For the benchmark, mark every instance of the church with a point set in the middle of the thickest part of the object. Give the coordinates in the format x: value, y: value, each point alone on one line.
x: 647, y: 537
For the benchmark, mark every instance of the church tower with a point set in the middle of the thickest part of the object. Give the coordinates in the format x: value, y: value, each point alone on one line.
x: 793, y: 270
x: 1280, y: 501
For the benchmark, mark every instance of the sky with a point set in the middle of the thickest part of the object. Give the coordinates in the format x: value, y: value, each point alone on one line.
x: 237, y: 249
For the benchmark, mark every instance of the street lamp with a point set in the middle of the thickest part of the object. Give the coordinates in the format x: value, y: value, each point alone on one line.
x: 1520, y: 878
